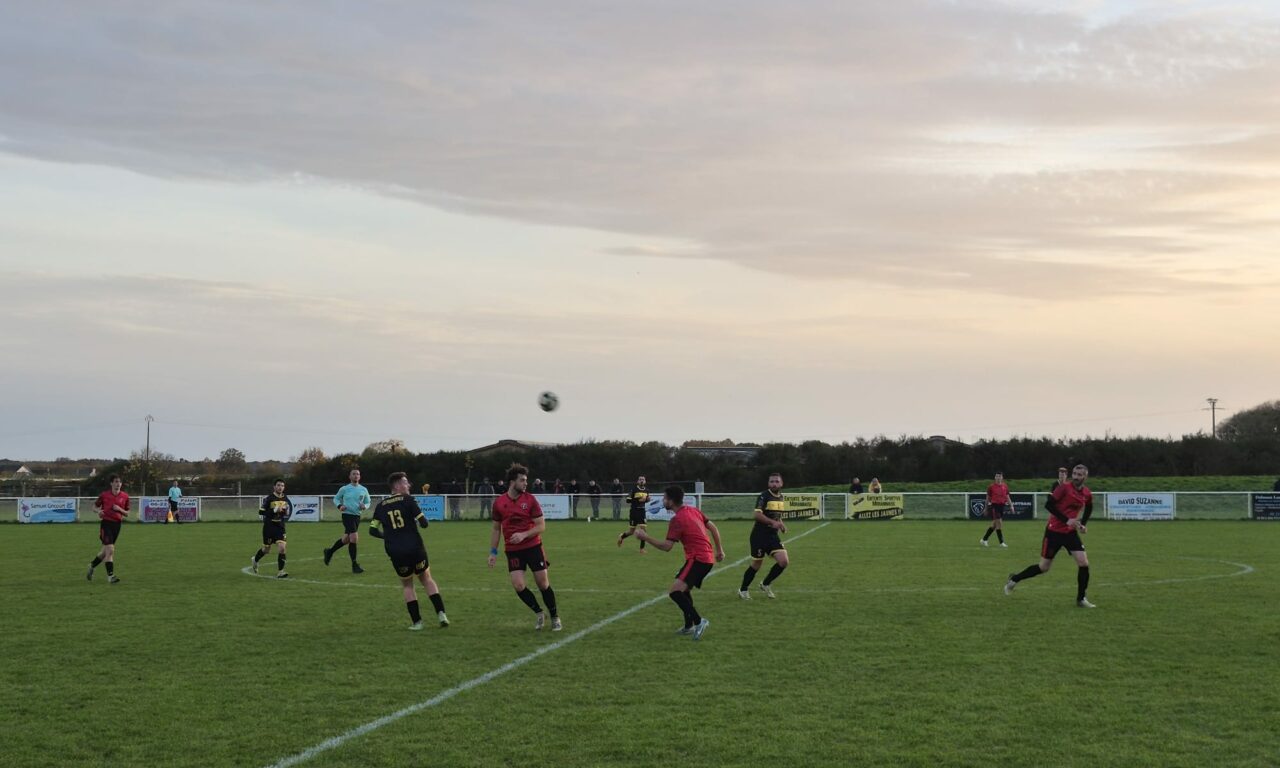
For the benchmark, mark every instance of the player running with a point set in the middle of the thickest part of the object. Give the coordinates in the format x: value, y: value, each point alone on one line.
x: 351, y: 499
x: 1070, y: 506
x: 112, y: 507
x: 175, y: 499
x: 276, y: 508
x: 396, y: 521
x: 766, y: 540
x: 689, y: 527
x: 997, y: 506
x: 518, y: 521
x: 638, y: 498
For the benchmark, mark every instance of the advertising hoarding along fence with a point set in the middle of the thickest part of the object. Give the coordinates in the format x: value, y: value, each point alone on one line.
x: 1140, y: 506
x: 801, y: 506
x: 1022, y: 506
x: 1264, y: 506
x: 306, y: 509
x: 155, y: 509
x: 876, y: 506
x: 47, y: 510
x: 555, y: 506
x: 432, y: 506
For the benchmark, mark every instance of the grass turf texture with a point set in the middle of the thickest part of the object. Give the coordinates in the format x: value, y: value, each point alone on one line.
x: 890, y: 644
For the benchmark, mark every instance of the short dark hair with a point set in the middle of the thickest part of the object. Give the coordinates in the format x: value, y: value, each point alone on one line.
x: 114, y: 478
x: 352, y: 469
x: 516, y: 470
x: 675, y: 493
x: 395, y: 477
x: 277, y: 480
x: 775, y: 474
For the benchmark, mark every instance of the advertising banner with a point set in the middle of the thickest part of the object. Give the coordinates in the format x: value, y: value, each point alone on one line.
x: 46, y: 510
x: 155, y: 509
x: 653, y: 509
x: 1022, y: 506
x: 875, y: 506
x: 1265, y: 506
x: 555, y: 506
x: 1140, y: 506
x: 306, y: 509
x: 432, y: 506
x: 801, y: 505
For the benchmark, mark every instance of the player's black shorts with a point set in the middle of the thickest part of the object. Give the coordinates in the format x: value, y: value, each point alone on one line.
x: 350, y: 523
x: 271, y: 533
x: 997, y: 511
x: 409, y: 562
x: 765, y: 543
x: 173, y: 506
x: 1054, y: 541
x: 532, y: 558
x: 637, y: 518
x: 693, y: 572
x: 108, y: 531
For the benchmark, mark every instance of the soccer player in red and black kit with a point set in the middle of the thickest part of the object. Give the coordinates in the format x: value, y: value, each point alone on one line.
x: 275, y: 509
x: 396, y: 521
x: 112, y: 507
x: 518, y: 521
x: 1070, y: 506
x: 997, y: 506
x: 765, y: 539
x: 689, y: 527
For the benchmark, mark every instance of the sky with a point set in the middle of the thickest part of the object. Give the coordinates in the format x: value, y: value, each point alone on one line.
x: 272, y: 226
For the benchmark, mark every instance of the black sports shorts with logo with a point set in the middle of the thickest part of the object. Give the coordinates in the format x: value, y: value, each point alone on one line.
x: 764, y: 543
x: 1054, y: 541
x: 532, y: 558
x: 693, y: 572
x: 409, y: 562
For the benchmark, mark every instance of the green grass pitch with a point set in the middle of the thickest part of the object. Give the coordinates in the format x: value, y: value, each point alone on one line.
x: 890, y: 644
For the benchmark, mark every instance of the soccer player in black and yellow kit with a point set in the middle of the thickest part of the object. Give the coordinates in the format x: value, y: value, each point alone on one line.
x: 638, y: 498
x: 766, y: 540
x: 275, y: 509
x: 396, y: 521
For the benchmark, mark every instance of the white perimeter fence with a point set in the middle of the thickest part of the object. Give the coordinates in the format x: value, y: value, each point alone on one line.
x: 1158, y: 505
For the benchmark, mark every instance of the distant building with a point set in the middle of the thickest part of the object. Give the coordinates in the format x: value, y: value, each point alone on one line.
x: 510, y: 446
x: 742, y: 454
x: 22, y: 472
x: 940, y: 443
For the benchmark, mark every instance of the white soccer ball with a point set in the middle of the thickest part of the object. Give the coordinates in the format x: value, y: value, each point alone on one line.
x: 548, y: 401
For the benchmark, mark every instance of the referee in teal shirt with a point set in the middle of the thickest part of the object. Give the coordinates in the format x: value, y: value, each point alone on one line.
x: 351, y: 499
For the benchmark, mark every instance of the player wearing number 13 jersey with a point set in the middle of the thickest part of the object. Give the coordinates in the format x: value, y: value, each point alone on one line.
x: 396, y: 521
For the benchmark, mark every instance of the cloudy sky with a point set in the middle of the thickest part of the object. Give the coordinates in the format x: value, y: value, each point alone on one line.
x: 276, y: 225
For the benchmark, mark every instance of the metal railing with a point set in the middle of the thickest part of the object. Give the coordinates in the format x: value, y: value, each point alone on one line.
x: 1182, y: 505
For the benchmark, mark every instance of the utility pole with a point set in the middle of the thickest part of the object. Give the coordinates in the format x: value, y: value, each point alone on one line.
x: 146, y: 457
x: 1213, y: 415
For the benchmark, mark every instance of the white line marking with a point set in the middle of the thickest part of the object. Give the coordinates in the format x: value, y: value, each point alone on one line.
x: 440, y: 698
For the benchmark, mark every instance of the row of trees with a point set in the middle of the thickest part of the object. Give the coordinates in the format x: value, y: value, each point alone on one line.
x: 1249, y: 444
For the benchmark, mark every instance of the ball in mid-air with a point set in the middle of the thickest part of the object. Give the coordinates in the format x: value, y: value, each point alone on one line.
x: 548, y: 401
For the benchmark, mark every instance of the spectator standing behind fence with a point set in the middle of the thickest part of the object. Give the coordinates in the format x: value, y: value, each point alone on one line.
x: 538, y: 486
x: 875, y: 486
x: 454, y: 489
x: 856, y: 486
x: 574, y: 490
x: 593, y: 493
x: 487, y: 492
x: 617, y: 491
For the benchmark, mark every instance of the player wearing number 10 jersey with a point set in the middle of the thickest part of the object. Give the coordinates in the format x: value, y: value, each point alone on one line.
x: 396, y: 521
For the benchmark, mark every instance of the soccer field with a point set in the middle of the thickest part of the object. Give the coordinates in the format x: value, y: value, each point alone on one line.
x: 889, y: 644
